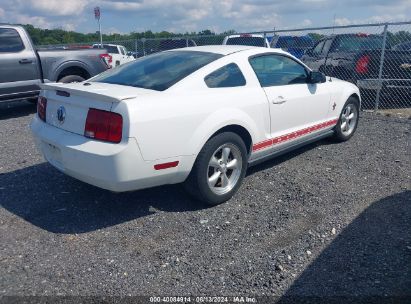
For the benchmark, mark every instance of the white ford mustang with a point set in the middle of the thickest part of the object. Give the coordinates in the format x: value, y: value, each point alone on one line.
x: 197, y: 115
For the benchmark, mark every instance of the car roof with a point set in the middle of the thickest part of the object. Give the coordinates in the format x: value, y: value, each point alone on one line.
x: 245, y: 36
x: 220, y: 49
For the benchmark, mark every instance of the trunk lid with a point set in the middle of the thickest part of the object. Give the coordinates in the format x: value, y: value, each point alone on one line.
x: 397, y: 65
x: 68, y: 104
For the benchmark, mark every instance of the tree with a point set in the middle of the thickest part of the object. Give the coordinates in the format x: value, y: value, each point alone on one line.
x: 206, y: 33
x: 315, y: 36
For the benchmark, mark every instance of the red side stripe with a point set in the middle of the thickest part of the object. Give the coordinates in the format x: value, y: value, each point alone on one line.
x: 262, y: 145
x: 166, y: 165
x: 293, y: 135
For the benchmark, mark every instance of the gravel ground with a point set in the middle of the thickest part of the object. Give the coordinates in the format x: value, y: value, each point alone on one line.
x: 327, y: 220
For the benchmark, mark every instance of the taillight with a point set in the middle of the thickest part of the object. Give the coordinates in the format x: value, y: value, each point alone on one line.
x: 362, y: 64
x: 107, y: 58
x: 42, y: 107
x: 104, y: 125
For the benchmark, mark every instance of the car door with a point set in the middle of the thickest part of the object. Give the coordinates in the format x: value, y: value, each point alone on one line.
x: 124, y: 55
x: 19, y: 72
x: 295, y: 104
x: 314, y: 57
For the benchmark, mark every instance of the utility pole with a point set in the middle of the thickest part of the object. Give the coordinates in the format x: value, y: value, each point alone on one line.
x: 97, y: 16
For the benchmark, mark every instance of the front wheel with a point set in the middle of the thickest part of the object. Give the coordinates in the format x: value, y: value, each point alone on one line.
x: 348, y: 122
x: 219, y: 169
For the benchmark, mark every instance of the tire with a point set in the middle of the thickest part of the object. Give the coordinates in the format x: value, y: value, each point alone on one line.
x: 199, y: 182
x: 71, y: 78
x: 346, y: 126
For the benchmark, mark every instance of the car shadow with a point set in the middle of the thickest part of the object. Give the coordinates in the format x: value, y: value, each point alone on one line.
x: 369, y: 261
x: 16, y: 109
x: 58, y: 203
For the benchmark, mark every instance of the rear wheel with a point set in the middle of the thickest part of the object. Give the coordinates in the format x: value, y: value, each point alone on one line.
x: 219, y: 169
x: 71, y: 78
x: 348, y: 122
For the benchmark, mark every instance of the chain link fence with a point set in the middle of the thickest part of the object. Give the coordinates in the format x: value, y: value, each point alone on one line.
x: 375, y: 57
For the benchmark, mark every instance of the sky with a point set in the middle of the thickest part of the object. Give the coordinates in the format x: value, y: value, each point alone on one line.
x: 124, y: 16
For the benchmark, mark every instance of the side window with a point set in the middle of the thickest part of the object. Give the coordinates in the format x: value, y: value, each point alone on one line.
x: 276, y: 70
x: 318, y: 48
x: 227, y: 76
x: 10, y: 41
x: 327, y: 46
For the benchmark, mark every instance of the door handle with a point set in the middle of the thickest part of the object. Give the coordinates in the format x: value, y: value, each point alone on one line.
x: 25, y: 61
x: 278, y: 100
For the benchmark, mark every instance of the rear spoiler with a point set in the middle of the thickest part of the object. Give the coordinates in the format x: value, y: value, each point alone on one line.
x: 64, y: 90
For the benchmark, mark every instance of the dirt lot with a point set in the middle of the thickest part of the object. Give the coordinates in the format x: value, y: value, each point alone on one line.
x: 327, y: 220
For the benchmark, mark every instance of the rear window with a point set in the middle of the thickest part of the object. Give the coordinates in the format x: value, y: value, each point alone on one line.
x: 110, y: 48
x: 358, y: 43
x: 159, y: 71
x: 225, y: 77
x: 251, y: 41
x: 10, y: 41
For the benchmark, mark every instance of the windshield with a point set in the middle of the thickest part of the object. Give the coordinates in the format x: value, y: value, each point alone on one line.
x: 359, y: 43
x: 251, y: 41
x: 159, y: 71
x: 294, y: 42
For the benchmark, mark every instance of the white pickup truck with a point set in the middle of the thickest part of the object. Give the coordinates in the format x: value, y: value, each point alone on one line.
x: 118, y: 52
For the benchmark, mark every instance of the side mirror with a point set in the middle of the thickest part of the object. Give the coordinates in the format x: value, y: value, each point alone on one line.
x: 316, y: 77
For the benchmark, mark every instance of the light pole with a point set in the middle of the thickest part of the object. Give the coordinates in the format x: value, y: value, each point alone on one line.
x: 97, y: 16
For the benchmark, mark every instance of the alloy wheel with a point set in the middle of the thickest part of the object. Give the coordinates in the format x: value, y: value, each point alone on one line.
x: 224, y: 169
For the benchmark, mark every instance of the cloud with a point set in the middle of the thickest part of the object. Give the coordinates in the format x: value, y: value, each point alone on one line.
x: 36, y: 21
x: 372, y: 19
x: 192, y: 15
x: 59, y: 7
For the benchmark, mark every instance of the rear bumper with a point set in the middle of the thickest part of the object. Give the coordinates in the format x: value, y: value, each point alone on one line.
x: 385, y: 84
x: 115, y: 167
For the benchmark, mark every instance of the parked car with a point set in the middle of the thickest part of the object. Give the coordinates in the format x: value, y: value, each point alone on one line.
x: 336, y: 55
x: 168, y: 44
x: 23, y: 67
x: 200, y: 115
x: 175, y: 43
x: 133, y: 54
x: 356, y: 58
x: 118, y: 52
x: 246, y: 39
x: 405, y: 46
x: 295, y: 45
x: 396, y: 77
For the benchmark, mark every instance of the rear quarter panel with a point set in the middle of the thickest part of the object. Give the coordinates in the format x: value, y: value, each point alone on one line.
x: 181, y: 124
x: 54, y: 62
